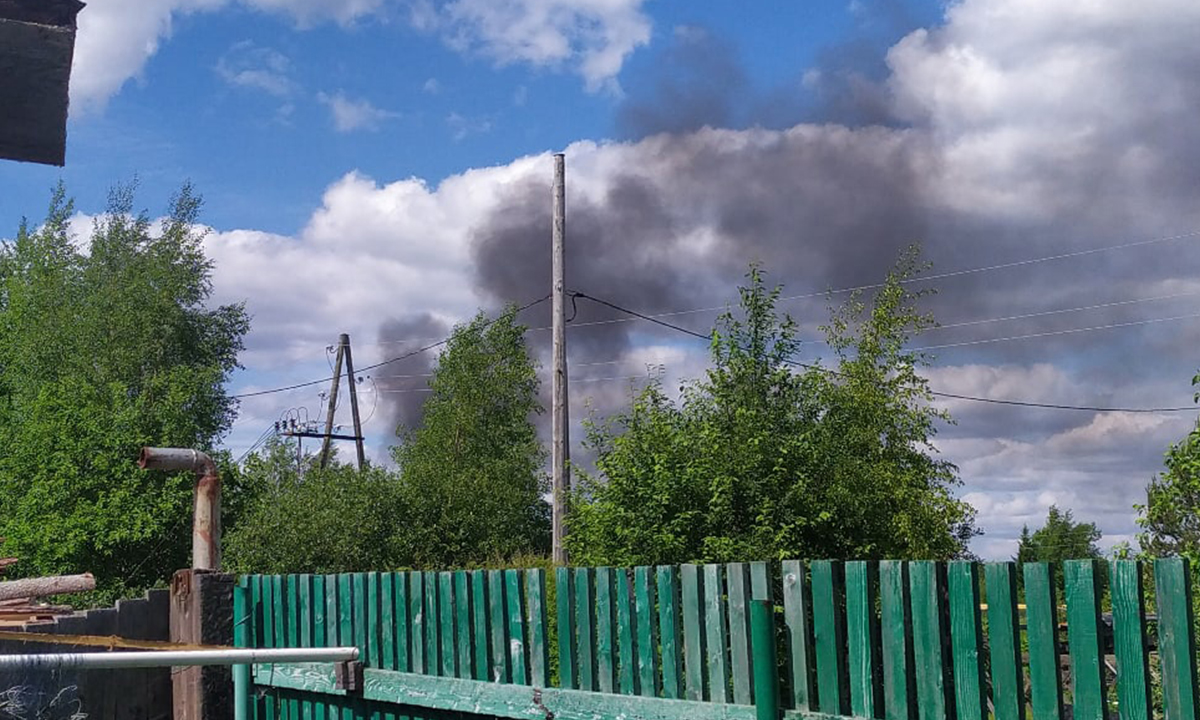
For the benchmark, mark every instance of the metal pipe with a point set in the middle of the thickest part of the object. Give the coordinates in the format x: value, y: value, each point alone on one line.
x: 206, y: 518
x: 175, y: 658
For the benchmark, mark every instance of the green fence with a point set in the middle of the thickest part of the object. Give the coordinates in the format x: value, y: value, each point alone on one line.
x: 890, y: 640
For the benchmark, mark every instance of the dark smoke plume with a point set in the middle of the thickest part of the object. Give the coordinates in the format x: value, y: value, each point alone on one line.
x: 402, y: 384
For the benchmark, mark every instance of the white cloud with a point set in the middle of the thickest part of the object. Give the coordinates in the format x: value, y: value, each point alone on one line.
x: 350, y: 115
x: 462, y: 127
x: 592, y: 37
x: 247, y: 65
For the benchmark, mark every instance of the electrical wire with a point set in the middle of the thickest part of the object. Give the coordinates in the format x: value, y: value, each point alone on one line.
x: 935, y: 393
x: 1053, y: 333
x: 389, y: 361
x: 924, y: 278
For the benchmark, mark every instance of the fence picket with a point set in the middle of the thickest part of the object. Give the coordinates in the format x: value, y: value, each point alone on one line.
x: 446, y: 620
x: 319, y: 635
x: 462, y: 624
x: 737, y: 586
x: 433, y: 617
x: 1083, y: 639
x: 416, y: 600
x: 1004, y: 642
x: 692, y: 598
x: 796, y: 608
x: 479, y: 622
x: 345, y: 625
x: 715, y: 635
x: 1176, y: 637
x: 926, y: 583
x: 647, y: 634
x: 585, y: 624
x: 1041, y: 622
x: 606, y: 665
x: 497, y: 616
x: 966, y: 638
x: 899, y: 693
x: 387, y: 629
x: 332, y: 621
x: 669, y: 632
x: 829, y: 635
x: 862, y: 638
x: 517, y: 643
x: 1129, y: 640
x: 627, y: 676
x: 568, y: 662
x: 305, y: 622
x: 539, y: 643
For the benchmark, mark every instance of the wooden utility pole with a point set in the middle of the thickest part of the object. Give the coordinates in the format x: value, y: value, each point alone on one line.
x: 333, y: 396
x: 358, y: 436
x: 560, y: 444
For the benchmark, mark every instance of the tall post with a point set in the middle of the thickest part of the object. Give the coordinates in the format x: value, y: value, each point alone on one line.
x: 560, y: 444
x: 358, y: 436
x: 333, y: 396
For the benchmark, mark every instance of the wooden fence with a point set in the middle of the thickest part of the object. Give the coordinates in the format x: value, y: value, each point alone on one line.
x: 890, y: 640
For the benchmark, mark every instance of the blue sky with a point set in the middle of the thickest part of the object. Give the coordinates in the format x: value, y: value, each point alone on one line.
x: 378, y: 167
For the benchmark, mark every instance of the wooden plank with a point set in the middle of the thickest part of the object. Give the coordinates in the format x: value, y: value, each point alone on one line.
x: 1129, y: 640
x: 627, y: 676
x: 1041, y: 622
x: 305, y: 620
x: 332, y: 625
x: 345, y: 590
x: 966, y: 641
x: 497, y: 618
x: 737, y: 588
x: 416, y: 600
x: 433, y: 645
x: 1176, y: 637
x: 458, y: 697
x: 319, y: 633
x: 400, y: 610
x: 480, y: 626
x: 539, y: 641
x: 462, y: 623
x: 446, y: 618
x: 387, y: 621
x: 585, y: 620
x: 518, y: 645
x: 669, y: 632
x: 568, y: 654
x: 829, y: 636
x: 692, y: 603
x: 242, y: 637
x: 606, y: 632
x: 716, y: 643
x: 862, y: 639
x: 645, y: 600
x: 1084, y: 638
x: 373, y: 632
x: 896, y: 650
x: 1004, y: 642
x: 926, y: 581
x: 760, y: 581
x: 285, y: 632
x: 796, y: 602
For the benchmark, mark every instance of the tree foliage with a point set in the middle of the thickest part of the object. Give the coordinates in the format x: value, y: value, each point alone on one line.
x: 1060, y: 538
x: 768, y: 458
x: 311, y: 520
x: 1170, y: 519
x: 472, y: 474
x: 107, y: 345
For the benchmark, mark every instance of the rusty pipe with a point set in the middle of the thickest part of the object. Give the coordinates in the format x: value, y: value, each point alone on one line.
x: 206, y: 518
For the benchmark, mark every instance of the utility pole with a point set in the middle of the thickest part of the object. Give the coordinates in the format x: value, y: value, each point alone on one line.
x: 358, y: 441
x: 333, y: 396
x: 560, y: 444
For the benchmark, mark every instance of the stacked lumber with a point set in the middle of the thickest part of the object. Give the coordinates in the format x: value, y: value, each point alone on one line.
x: 20, y: 599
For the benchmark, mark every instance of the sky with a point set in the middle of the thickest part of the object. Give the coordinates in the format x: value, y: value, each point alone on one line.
x: 382, y: 168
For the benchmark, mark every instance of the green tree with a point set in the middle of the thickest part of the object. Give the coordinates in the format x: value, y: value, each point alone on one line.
x: 1170, y: 519
x: 1060, y: 538
x: 767, y: 458
x: 312, y: 520
x: 471, y: 475
x: 105, y: 346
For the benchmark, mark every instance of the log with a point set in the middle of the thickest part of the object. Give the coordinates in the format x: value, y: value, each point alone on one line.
x: 43, y: 586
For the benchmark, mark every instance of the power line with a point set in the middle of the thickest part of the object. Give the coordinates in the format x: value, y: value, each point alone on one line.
x: 398, y: 358
x: 924, y: 278
x: 1052, y: 333
x: 935, y: 393
x: 1061, y: 311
